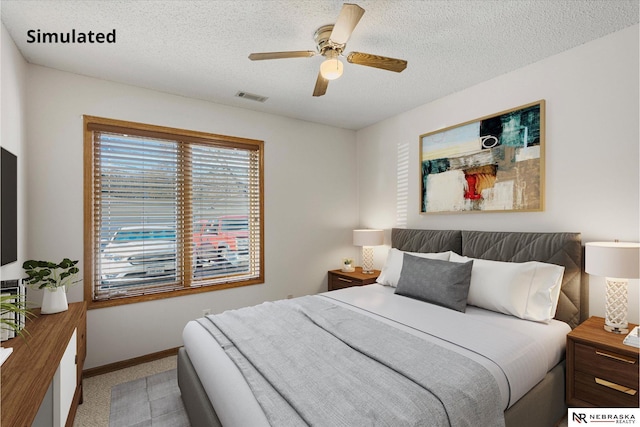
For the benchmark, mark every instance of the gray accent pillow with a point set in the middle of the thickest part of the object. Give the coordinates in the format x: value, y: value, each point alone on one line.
x: 438, y: 282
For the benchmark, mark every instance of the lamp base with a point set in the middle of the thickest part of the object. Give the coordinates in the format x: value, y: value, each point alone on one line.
x: 616, y: 329
x: 616, y: 306
x: 367, y: 259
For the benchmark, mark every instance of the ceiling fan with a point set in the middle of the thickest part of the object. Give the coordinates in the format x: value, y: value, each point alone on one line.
x: 331, y: 41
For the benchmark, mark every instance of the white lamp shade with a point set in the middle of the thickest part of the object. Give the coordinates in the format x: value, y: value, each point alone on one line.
x: 368, y: 237
x: 613, y: 259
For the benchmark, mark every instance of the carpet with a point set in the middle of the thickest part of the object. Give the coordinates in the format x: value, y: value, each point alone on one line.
x: 152, y: 401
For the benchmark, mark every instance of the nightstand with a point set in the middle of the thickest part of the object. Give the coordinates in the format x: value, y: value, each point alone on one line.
x: 339, y: 279
x: 601, y: 370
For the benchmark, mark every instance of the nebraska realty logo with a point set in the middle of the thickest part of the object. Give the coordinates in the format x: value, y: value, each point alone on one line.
x: 602, y: 416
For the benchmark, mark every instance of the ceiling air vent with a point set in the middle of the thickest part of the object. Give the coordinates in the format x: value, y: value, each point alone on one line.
x: 251, y: 96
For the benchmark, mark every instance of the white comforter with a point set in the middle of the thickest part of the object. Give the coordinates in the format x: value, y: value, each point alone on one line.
x: 517, y: 352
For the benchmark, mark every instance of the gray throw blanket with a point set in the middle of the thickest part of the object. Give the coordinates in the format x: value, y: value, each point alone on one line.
x: 311, y: 362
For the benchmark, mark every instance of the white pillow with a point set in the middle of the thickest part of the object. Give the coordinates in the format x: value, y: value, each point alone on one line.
x: 390, y: 273
x: 528, y: 290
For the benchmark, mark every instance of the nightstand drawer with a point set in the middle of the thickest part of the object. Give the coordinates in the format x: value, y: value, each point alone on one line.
x: 607, y: 365
x: 343, y: 279
x: 603, y: 393
x: 339, y: 282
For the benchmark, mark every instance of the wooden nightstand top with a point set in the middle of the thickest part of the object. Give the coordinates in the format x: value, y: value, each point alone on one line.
x: 592, y: 331
x: 358, y: 274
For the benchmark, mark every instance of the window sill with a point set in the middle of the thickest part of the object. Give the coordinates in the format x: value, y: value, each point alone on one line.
x: 162, y: 295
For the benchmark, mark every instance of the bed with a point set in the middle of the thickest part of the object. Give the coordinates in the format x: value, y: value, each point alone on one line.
x: 214, y: 389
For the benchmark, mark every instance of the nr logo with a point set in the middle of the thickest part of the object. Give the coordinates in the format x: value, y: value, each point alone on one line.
x: 579, y: 418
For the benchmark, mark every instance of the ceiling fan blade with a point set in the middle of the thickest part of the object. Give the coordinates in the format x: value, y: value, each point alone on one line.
x: 282, y: 55
x: 321, y: 86
x: 376, y: 61
x: 347, y: 20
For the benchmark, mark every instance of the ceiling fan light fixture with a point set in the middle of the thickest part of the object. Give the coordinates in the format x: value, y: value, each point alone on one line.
x: 331, y: 41
x: 331, y: 68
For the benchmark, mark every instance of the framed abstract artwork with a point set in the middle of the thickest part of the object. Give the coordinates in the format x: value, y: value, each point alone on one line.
x: 492, y: 164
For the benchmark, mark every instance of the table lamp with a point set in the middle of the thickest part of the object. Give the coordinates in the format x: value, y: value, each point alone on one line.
x: 617, y: 262
x: 367, y: 239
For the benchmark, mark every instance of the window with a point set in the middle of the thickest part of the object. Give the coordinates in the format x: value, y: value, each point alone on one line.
x: 169, y: 212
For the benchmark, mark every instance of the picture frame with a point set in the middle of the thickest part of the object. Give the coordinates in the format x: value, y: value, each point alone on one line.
x: 491, y: 164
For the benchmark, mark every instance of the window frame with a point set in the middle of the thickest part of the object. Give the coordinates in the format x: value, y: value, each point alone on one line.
x: 99, y: 124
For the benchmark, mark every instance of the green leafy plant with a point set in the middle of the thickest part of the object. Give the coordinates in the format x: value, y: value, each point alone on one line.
x: 9, y: 304
x: 347, y: 261
x: 46, y: 274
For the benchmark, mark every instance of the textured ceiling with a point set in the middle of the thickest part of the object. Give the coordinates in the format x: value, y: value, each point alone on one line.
x: 199, y: 49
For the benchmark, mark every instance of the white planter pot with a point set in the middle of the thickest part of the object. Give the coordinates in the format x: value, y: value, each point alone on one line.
x: 54, y: 301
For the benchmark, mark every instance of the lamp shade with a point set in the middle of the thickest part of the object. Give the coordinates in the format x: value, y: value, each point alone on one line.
x: 368, y: 237
x: 613, y: 259
x: 331, y: 68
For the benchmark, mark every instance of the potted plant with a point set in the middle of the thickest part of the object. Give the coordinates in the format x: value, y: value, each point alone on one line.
x: 10, y: 306
x: 347, y: 265
x: 53, y: 278
x: 11, y: 310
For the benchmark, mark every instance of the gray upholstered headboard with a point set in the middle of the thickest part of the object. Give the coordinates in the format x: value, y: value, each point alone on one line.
x: 556, y: 248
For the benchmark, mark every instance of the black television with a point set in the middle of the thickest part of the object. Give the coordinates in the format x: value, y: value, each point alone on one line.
x: 8, y: 207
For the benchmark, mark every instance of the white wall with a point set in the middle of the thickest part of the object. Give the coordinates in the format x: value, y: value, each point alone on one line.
x: 310, y: 200
x: 592, y: 154
x: 13, y: 136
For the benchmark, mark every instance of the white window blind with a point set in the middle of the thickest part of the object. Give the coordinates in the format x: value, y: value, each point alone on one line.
x: 171, y: 212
